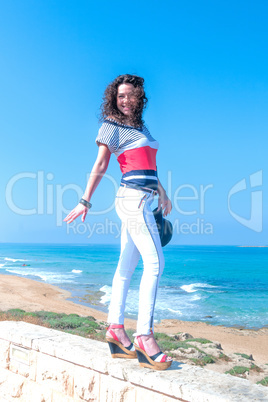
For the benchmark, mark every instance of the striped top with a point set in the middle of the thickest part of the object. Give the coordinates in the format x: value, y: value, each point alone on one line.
x: 135, y: 150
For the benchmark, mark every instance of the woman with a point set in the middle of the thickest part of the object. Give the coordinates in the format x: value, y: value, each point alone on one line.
x: 123, y: 133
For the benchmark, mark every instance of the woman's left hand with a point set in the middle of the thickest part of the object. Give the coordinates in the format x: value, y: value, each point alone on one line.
x: 164, y: 203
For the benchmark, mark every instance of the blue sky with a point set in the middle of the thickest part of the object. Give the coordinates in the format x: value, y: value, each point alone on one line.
x: 205, y: 69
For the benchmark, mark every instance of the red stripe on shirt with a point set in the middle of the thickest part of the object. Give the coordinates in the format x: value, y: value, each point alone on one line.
x: 138, y: 159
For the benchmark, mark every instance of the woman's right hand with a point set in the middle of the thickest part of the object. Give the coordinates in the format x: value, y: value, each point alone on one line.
x: 77, y: 211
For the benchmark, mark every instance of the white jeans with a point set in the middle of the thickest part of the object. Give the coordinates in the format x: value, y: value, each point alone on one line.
x: 139, y: 237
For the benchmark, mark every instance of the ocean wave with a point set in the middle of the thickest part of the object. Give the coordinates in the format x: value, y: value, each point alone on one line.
x: 49, y: 277
x: 77, y: 271
x: 13, y: 259
x: 174, y: 311
x: 2, y: 265
x: 20, y: 272
x: 192, y: 287
x: 195, y: 297
x: 107, y: 294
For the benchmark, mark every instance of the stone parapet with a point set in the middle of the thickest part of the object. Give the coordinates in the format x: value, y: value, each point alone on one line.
x: 41, y: 364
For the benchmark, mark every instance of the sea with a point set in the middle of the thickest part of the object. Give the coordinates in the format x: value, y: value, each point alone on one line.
x: 220, y: 285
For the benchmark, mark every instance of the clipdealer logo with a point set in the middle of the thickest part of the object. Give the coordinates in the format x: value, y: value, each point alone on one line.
x: 50, y: 202
x: 256, y: 196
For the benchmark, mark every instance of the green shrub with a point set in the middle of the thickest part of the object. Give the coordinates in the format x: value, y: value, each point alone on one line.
x: 81, y: 331
x: 237, y: 370
x: 203, y: 361
x: 99, y: 336
x: 244, y: 356
x: 30, y: 315
x: 49, y: 314
x: 264, y: 382
x: 71, y: 322
x: 196, y: 361
x: 224, y: 357
x: 253, y: 367
x: 200, y: 340
x: 130, y: 332
x: 208, y: 359
x: 16, y: 312
x: 167, y: 342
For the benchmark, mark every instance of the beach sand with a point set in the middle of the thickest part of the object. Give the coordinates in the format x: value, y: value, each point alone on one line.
x: 30, y: 295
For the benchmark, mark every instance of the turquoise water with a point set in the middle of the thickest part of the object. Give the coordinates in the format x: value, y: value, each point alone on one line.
x: 222, y: 285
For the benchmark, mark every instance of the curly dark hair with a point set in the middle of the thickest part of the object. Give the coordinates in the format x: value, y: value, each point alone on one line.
x: 109, y: 104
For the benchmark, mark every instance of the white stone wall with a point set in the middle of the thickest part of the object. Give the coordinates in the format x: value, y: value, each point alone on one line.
x: 38, y: 364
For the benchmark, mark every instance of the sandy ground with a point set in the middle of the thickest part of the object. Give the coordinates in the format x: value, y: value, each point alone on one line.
x: 29, y: 295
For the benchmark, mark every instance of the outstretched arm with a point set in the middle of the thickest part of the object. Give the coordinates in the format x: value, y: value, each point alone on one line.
x: 97, y: 172
x: 163, y: 200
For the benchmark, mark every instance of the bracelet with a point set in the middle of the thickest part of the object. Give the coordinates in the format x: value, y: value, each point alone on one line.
x: 85, y: 203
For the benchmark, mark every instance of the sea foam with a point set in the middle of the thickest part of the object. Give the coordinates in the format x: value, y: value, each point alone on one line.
x: 192, y: 287
x: 50, y: 277
x: 107, y: 294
